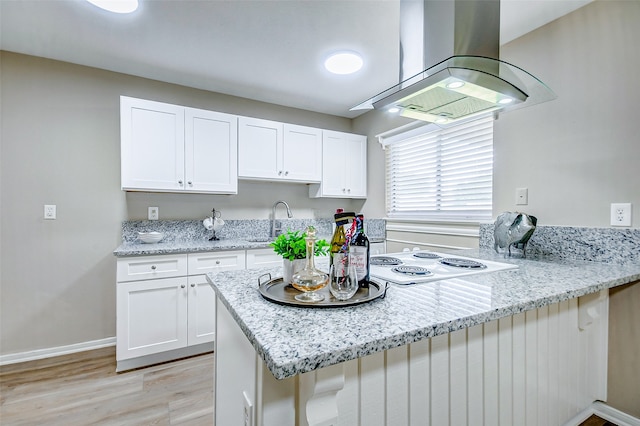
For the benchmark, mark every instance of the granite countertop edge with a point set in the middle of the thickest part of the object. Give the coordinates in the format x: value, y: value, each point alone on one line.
x: 195, y: 246
x: 188, y: 246
x: 276, y: 331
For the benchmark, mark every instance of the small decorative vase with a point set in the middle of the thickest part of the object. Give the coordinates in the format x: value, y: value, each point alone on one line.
x: 290, y: 267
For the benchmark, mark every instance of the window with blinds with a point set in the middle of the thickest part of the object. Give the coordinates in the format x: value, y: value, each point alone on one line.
x: 441, y: 174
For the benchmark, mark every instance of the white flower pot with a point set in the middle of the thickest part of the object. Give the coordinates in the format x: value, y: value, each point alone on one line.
x: 290, y: 267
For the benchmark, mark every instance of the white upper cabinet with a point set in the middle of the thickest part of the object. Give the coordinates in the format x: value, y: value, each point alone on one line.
x: 270, y: 150
x: 170, y: 148
x: 344, y: 166
x: 211, y: 151
x: 152, y: 145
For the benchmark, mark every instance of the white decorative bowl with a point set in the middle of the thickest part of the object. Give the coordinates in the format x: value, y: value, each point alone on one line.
x: 150, y: 237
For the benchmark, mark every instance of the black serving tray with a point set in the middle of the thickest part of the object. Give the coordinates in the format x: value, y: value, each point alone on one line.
x: 275, y: 290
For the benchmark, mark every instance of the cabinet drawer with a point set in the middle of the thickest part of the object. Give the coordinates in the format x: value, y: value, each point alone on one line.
x: 151, y: 267
x: 202, y: 263
x: 263, y: 258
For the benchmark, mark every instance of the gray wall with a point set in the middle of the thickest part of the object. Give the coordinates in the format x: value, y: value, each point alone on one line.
x: 578, y: 153
x: 61, y: 145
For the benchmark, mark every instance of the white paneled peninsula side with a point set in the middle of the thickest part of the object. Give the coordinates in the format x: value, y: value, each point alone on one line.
x: 526, y: 346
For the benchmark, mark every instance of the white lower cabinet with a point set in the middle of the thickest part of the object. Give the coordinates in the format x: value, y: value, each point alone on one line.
x: 201, y: 317
x: 165, y: 306
x: 151, y: 317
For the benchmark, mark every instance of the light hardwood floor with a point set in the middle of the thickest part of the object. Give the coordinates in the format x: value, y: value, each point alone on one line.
x: 84, y: 389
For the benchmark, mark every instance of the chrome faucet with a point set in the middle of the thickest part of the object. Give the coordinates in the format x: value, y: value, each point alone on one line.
x: 274, y: 229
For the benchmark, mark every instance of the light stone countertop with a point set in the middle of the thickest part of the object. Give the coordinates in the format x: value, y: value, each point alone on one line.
x: 294, y: 340
x: 186, y: 246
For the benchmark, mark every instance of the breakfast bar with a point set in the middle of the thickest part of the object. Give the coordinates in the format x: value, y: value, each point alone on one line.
x: 510, y: 347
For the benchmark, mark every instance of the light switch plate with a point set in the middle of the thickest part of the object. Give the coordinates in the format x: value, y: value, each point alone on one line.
x: 522, y: 196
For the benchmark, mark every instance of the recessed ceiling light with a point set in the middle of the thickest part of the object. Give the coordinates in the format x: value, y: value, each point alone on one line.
x: 393, y: 110
x: 505, y: 101
x: 343, y: 63
x: 116, y: 6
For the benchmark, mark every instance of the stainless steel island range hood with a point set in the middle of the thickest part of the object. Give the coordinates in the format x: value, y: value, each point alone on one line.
x: 460, y: 40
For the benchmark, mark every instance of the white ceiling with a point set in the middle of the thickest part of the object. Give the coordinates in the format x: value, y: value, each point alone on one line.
x: 267, y: 50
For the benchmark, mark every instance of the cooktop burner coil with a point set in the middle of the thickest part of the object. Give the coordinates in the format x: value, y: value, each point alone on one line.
x: 462, y: 263
x: 385, y: 261
x: 412, y: 270
x: 426, y: 255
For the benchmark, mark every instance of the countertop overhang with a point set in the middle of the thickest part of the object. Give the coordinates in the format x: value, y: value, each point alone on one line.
x: 293, y: 340
x: 186, y: 246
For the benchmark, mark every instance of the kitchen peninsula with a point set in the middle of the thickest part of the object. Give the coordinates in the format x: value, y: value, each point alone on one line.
x: 527, y: 344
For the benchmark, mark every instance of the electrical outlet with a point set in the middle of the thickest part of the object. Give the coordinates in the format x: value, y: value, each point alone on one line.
x: 621, y: 214
x: 248, y: 410
x: 49, y: 211
x: 153, y: 213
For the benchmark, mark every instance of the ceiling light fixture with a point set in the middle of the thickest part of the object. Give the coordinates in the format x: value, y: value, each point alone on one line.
x: 455, y: 85
x: 116, y: 6
x: 393, y: 110
x: 343, y: 63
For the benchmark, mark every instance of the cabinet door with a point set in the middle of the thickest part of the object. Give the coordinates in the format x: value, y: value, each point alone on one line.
x: 151, y: 317
x: 202, y: 311
x: 344, y: 166
x: 334, y: 175
x: 355, y: 147
x: 302, y: 155
x: 259, y: 148
x: 152, y: 145
x: 211, y: 152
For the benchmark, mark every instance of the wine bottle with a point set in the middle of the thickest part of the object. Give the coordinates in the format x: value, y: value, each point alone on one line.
x: 359, y: 252
x: 338, y: 248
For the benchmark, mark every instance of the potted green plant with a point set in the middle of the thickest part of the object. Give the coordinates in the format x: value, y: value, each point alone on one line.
x: 291, y: 245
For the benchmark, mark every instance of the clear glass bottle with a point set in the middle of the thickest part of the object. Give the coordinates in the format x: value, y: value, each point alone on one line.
x: 310, y: 279
x: 338, y: 247
x: 359, y: 253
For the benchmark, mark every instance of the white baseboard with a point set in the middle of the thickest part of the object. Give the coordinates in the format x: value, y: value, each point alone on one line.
x: 57, y: 351
x: 606, y: 412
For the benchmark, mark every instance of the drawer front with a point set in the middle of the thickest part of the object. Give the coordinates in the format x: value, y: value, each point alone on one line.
x: 263, y: 258
x: 202, y: 263
x: 151, y: 267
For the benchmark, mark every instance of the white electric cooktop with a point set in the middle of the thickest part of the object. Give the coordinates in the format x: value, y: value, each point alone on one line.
x: 424, y: 266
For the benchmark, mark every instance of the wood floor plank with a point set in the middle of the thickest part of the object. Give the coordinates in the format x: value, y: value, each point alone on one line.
x: 84, y: 389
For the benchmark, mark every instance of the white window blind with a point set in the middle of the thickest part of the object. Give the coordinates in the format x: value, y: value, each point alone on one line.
x: 441, y: 174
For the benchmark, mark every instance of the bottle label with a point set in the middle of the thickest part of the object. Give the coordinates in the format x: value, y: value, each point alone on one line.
x: 358, y: 258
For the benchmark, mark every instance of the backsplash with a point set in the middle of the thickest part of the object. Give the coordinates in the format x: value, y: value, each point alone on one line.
x: 253, y: 229
x: 607, y: 245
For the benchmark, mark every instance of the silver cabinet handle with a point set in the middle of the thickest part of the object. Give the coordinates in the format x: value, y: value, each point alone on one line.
x: 217, y: 262
x: 344, y: 190
x: 286, y: 173
x: 180, y: 182
x: 190, y: 183
x: 182, y: 286
x: 349, y: 190
x: 280, y: 173
x: 193, y: 284
x: 153, y: 267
